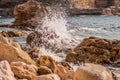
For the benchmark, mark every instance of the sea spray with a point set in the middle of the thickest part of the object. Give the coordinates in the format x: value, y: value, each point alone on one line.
x: 52, y: 36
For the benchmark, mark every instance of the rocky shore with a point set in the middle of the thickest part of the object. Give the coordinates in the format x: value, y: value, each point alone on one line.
x: 28, y: 62
x: 16, y: 64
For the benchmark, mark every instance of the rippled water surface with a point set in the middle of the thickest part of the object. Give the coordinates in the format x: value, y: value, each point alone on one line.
x: 102, y: 26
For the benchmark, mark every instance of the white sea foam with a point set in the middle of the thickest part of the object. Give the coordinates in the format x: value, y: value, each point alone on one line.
x: 52, y: 35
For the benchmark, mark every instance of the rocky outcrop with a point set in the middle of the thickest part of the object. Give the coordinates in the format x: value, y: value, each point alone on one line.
x: 24, y: 71
x: 25, y: 13
x: 14, y: 33
x: 93, y: 72
x: 47, y: 77
x: 96, y: 50
x: 12, y: 52
x: 5, y: 71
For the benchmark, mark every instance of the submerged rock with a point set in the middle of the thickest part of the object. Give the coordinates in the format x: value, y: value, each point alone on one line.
x: 24, y: 71
x: 12, y: 52
x: 5, y: 71
x: 47, y: 77
x: 91, y: 71
x: 96, y: 50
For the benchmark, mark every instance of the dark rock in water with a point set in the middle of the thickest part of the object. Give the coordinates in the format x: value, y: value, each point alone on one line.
x: 25, y: 13
x: 13, y: 33
x: 95, y: 50
x: 30, y: 38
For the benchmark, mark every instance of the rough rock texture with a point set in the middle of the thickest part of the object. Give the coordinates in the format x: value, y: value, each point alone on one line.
x: 5, y: 71
x: 25, y: 13
x: 96, y: 50
x: 47, y: 77
x: 24, y: 71
x: 12, y: 52
x: 30, y: 38
x: 93, y: 72
x: 13, y: 33
x: 84, y: 4
x: 47, y: 61
x: 43, y: 70
x: 63, y: 72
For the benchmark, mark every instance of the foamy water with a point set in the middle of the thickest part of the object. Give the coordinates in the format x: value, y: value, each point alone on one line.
x: 52, y: 36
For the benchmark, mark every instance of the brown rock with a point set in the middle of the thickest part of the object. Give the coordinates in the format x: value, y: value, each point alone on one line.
x: 13, y: 33
x: 25, y: 13
x: 71, y: 57
x: 47, y: 61
x: 47, y: 77
x: 30, y: 38
x: 93, y: 72
x: 63, y: 72
x: 95, y: 50
x: 5, y: 71
x: 67, y: 65
x: 24, y: 71
x: 43, y: 70
x: 12, y: 52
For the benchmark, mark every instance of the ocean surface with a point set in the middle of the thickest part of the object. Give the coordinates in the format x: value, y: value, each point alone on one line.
x: 84, y: 26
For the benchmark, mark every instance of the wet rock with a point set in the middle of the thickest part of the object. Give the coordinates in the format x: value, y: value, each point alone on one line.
x: 13, y: 33
x: 24, y: 71
x: 5, y: 71
x: 63, y: 72
x: 47, y: 77
x: 25, y: 13
x: 47, y: 61
x: 91, y: 71
x: 12, y: 52
x: 95, y: 50
x: 43, y: 70
x: 30, y: 38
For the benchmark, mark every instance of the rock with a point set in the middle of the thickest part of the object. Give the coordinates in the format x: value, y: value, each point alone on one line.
x: 12, y: 52
x: 63, y: 72
x: 25, y: 13
x: 47, y: 77
x: 66, y: 65
x: 24, y: 71
x: 13, y: 33
x: 47, y: 61
x: 5, y: 71
x: 43, y: 70
x: 95, y: 50
x: 30, y: 38
x: 91, y: 71
x: 22, y: 79
x: 71, y: 57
